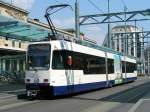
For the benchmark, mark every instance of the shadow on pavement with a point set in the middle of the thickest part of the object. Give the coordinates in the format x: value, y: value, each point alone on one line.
x: 131, y: 95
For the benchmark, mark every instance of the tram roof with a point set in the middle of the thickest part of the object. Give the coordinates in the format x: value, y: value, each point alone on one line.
x: 16, y: 29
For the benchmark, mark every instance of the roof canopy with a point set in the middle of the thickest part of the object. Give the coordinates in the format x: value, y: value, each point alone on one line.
x: 16, y: 29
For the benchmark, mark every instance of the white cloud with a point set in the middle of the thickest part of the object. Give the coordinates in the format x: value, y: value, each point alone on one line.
x: 25, y: 4
x: 64, y: 23
x: 93, y: 32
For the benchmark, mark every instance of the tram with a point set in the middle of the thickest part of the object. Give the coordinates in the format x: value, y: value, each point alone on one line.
x: 61, y: 67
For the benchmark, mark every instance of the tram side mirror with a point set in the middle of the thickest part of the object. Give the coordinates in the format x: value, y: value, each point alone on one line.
x: 69, y: 60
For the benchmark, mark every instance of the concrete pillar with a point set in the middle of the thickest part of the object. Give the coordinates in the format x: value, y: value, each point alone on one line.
x: 120, y: 47
x: 135, y: 45
x: 129, y: 44
x: 10, y: 65
x: 116, y: 43
x: 18, y: 68
x: 0, y: 65
x: 4, y: 65
x: 24, y: 65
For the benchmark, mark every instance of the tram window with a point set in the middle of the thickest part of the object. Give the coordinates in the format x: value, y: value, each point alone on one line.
x: 58, y: 60
x: 123, y: 67
x: 130, y: 67
x: 88, y: 63
x: 94, y: 65
x: 39, y: 56
x: 110, y: 63
x: 77, y: 60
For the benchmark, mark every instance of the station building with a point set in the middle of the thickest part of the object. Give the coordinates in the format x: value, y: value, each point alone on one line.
x: 131, y: 36
x: 132, y: 39
x: 16, y: 32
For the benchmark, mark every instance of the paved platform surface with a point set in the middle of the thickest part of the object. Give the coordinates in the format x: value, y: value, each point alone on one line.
x: 143, y: 105
x: 11, y: 88
x: 116, y: 99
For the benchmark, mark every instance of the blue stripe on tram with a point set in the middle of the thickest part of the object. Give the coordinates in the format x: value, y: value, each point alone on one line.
x: 63, y: 90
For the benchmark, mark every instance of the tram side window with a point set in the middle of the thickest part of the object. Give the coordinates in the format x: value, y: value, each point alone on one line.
x: 123, y: 67
x: 88, y: 63
x: 77, y: 61
x: 94, y: 65
x: 58, y: 60
x: 110, y: 63
x: 130, y: 67
x: 135, y: 67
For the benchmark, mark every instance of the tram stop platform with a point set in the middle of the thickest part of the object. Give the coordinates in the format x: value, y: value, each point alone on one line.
x: 142, y: 105
x: 11, y: 89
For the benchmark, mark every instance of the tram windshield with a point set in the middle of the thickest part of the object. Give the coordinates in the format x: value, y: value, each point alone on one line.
x: 38, y: 57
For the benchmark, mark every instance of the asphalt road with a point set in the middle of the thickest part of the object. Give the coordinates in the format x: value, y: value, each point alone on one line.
x: 116, y: 99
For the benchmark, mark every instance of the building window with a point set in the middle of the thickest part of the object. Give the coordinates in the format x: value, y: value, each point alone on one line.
x: 13, y: 43
x: 14, y: 65
x: 117, y: 43
x: 7, y: 65
x: 19, y: 44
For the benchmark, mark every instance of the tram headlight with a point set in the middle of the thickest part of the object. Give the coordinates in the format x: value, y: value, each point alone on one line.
x: 46, y: 80
x: 28, y: 80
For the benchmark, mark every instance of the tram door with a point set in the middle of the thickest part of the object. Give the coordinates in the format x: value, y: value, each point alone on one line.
x: 70, y: 75
x: 118, y: 69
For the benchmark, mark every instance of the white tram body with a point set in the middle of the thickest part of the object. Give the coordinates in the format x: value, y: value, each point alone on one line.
x: 50, y: 69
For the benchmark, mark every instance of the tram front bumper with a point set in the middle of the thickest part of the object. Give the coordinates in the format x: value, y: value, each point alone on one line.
x: 32, y: 93
x: 34, y: 89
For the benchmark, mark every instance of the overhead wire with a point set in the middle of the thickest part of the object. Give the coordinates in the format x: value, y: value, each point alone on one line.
x: 92, y: 3
x: 124, y: 4
x: 95, y: 6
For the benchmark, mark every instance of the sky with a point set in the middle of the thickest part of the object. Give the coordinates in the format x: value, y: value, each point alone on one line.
x: 65, y: 18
